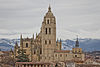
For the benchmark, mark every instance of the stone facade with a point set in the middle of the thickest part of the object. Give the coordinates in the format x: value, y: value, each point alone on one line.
x: 45, y: 48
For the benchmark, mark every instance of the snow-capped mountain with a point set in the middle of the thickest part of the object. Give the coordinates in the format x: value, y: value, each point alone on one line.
x: 8, y: 44
x: 9, y: 41
x: 67, y: 44
x: 87, y: 44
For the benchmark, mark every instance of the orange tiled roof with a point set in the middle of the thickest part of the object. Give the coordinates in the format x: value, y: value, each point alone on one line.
x: 62, y: 51
x: 6, y: 51
x: 31, y: 63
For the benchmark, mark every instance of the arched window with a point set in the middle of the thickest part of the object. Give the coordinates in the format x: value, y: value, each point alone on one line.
x: 48, y: 22
x: 55, y: 55
x: 49, y: 41
x: 45, y: 41
x: 45, y: 30
x: 75, y: 55
x: 40, y: 50
x: 60, y: 55
x: 49, y: 30
x: 66, y: 55
x: 18, y: 65
x: 48, y: 66
x: 26, y: 44
x: 34, y: 52
x: 24, y: 65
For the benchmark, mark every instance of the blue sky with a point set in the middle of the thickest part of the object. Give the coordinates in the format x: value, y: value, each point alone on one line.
x: 74, y: 17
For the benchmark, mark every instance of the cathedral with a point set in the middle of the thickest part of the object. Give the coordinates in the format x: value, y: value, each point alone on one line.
x: 44, y: 47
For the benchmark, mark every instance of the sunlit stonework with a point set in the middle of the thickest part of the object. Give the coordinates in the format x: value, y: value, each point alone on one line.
x: 45, y: 48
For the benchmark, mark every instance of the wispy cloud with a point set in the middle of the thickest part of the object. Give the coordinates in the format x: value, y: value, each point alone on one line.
x: 73, y: 17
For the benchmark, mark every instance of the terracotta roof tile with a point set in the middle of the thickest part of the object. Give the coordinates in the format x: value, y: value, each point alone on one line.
x: 31, y: 63
x: 63, y: 51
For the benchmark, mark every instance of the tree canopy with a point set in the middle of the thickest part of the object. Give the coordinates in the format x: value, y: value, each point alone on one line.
x: 22, y: 57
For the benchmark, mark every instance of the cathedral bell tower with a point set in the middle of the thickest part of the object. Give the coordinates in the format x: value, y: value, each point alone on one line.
x: 48, y: 36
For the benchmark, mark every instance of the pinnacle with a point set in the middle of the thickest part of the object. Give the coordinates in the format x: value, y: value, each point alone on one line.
x: 49, y: 9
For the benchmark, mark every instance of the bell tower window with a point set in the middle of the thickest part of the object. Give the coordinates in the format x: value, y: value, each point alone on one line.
x: 40, y: 50
x: 45, y: 30
x: 34, y: 52
x: 48, y: 22
x: 26, y: 44
x: 49, y: 30
x: 45, y: 41
x: 75, y: 55
x: 49, y: 41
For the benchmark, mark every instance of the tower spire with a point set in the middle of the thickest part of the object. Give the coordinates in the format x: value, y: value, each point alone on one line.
x: 33, y: 36
x: 49, y: 9
x: 60, y: 40
x: 16, y: 43
x: 21, y: 41
x: 57, y: 39
x: 77, y: 42
x: 36, y: 34
x: 21, y: 36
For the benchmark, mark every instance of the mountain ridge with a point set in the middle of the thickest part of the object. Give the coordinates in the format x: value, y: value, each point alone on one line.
x: 87, y: 44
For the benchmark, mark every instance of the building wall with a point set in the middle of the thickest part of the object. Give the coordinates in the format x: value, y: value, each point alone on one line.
x: 63, y: 56
x: 77, y: 50
x: 44, y: 46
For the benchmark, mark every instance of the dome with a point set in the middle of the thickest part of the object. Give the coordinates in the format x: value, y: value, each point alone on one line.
x: 49, y: 13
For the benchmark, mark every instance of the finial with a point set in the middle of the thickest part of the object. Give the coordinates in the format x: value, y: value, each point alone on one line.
x: 21, y: 39
x: 49, y: 9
